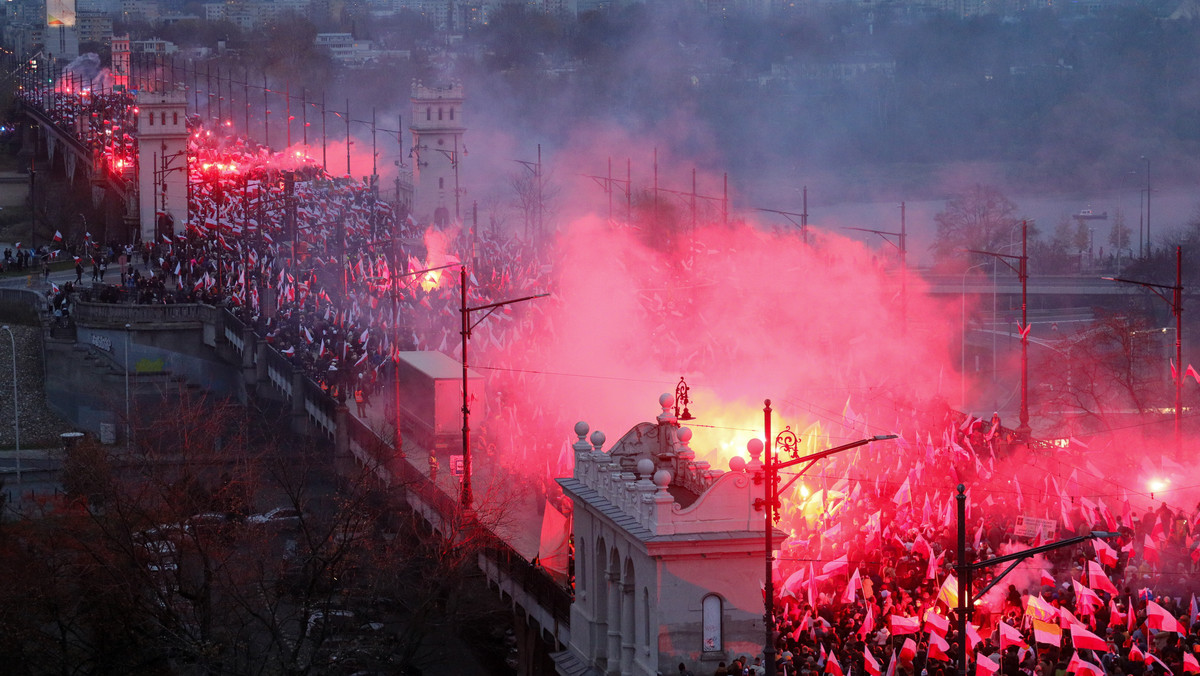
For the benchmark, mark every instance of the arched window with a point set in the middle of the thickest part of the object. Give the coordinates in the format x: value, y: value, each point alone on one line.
x: 441, y: 183
x: 175, y: 118
x: 151, y: 119
x: 451, y: 113
x: 712, y: 612
x: 428, y: 113
x: 439, y: 113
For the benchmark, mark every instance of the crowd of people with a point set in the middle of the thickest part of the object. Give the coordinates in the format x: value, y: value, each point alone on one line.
x: 333, y: 278
x: 867, y: 581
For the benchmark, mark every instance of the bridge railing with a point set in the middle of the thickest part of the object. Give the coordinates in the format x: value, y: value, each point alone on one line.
x: 374, y: 451
x: 117, y: 315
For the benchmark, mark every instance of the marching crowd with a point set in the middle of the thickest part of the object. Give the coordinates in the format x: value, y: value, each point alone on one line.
x: 869, y: 585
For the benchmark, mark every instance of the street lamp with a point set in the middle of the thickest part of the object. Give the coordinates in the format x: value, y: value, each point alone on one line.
x: 1022, y: 270
x: 16, y: 405
x: 1176, y: 303
x: 467, y: 327
x: 789, y: 442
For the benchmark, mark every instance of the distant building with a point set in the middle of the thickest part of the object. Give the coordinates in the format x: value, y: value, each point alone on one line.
x: 152, y: 46
x: 95, y: 27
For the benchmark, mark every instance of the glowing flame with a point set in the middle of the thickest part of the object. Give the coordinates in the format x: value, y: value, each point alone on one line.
x: 1157, y: 485
x: 431, y: 280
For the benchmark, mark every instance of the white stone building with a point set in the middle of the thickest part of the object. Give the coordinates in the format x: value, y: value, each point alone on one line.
x: 438, y: 147
x: 669, y: 555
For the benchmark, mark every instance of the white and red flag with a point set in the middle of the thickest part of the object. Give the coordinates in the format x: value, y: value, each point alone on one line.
x: 57, y: 236
x: 870, y: 663
x: 936, y: 624
x: 900, y: 625
x: 1158, y: 618
x: 832, y: 666
x: 1098, y: 580
x: 908, y: 651
x: 939, y: 649
x: 1083, y: 639
x: 1106, y: 554
x: 1010, y: 636
x: 1083, y: 668
x: 1190, y: 665
x: 984, y: 666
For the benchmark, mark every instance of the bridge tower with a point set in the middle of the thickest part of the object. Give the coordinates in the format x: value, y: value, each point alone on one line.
x: 120, y: 60
x: 437, y: 146
x: 162, y: 164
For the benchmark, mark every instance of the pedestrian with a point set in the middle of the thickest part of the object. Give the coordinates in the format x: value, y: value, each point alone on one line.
x: 103, y: 268
x: 46, y: 269
x: 78, y: 271
x: 360, y: 400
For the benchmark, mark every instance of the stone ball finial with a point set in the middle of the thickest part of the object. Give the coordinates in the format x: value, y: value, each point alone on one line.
x: 662, y: 479
x: 666, y: 400
x: 754, y: 447
x: 581, y: 430
x: 598, y: 439
x: 684, y: 435
x: 645, y: 468
x: 737, y: 463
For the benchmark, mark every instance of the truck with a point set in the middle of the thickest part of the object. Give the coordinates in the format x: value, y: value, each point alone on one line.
x: 430, y: 399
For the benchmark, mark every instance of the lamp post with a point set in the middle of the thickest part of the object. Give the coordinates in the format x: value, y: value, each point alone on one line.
x: 964, y: 571
x: 1176, y: 303
x: 16, y: 406
x: 789, y: 442
x: 467, y: 327
x: 1022, y: 270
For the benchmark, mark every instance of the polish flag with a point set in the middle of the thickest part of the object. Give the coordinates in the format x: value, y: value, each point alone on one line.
x: 832, y: 666
x: 1098, y: 580
x: 868, y: 624
x: 1048, y: 579
x: 1083, y: 668
x: 852, y: 586
x: 984, y: 666
x: 973, y: 637
x: 900, y: 625
x: 1151, y: 658
x: 938, y: 648
x: 57, y: 236
x: 1150, y: 550
x: 1191, y: 371
x: 1010, y: 636
x: 870, y: 663
x: 1083, y: 639
x: 936, y: 624
x: 1135, y: 653
x: 1106, y: 554
x: 908, y: 651
x: 1114, y: 613
x: 839, y: 565
x: 1190, y: 665
x: 1158, y: 618
x: 1086, y: 596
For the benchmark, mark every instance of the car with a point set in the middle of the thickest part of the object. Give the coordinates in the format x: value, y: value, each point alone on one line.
x: 280, y: 516
x: 208, y: 523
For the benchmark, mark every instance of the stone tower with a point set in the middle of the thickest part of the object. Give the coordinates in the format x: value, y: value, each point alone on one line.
x: 162, y: 163
x: 437, y: 148
x: 120, y: 60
